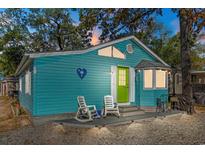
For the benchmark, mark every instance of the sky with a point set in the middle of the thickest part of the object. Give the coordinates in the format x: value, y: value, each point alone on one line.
x: 169, y: 20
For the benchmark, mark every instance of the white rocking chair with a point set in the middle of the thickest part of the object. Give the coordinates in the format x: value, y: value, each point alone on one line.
x: 85, y: 112
x: 110, y: 106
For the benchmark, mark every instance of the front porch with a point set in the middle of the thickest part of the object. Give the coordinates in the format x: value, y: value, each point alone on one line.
x: 113, y: 120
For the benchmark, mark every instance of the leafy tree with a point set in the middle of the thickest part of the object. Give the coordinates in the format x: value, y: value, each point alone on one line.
x: 168, y: 49
x: 198, y: 61
x: 54, y: 30
x: 14, y: 40
x: 116, y: 23
x: 37, y: 30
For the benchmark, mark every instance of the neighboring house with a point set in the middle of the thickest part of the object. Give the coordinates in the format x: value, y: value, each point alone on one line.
x: 198, y: 85
x: 197, y: 79
x: 8, y: 86
x: 124, y: 68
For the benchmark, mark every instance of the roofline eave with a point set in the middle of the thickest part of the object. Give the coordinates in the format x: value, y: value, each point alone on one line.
x: 161, y: 68
x: 21, y: 65
x: 36, y: 55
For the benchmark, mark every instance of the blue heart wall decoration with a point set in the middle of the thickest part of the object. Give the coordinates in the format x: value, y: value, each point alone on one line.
x: 82, y: 72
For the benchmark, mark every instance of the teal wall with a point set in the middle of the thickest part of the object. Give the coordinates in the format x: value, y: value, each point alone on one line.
x: 57, y: 85
x: 148, y: 97
x: 26, y: 100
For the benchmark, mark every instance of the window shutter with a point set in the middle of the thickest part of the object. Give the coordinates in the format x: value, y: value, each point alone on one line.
x: 28, y: 82
x: 132, y: 84
x: 20, y: 84
x: 113, y: 82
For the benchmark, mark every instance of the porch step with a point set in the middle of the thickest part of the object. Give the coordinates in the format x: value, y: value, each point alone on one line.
x: 126, y: 111
x: 128, y: 108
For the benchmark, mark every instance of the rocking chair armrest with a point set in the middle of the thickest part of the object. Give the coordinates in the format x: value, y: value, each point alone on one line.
x: 91, y: 106
x: 82, y: 108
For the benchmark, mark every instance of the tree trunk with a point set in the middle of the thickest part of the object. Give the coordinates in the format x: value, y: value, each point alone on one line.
x: 185, y: 41
x: 173, y: 81
x: 59, y: 43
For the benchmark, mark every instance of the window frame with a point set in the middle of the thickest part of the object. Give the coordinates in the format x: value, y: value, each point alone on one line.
x: 112, y: 54
x: 148, y: 88
x: 154, y: 80
x: 122, y: 78
x: 166, y: 80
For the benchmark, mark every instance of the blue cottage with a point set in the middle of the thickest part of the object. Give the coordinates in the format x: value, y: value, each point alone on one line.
x: 49, y: 83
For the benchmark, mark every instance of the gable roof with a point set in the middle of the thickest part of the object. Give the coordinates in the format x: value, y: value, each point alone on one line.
x: 144, y: 64
x: 27, y: 57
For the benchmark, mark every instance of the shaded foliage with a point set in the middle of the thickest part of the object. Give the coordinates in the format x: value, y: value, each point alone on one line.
x: 115, y: 23
x: 37, y: 30
x: 54, y: 30
x: 14, y: 39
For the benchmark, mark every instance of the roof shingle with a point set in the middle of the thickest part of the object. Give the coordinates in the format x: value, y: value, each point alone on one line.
x: 143, y: 64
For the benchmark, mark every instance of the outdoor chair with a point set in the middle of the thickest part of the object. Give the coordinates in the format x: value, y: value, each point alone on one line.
x: 162, y: 104
x: 110, y: 106
x: 85, y: 112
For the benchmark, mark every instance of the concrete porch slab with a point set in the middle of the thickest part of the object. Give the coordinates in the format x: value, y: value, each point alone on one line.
x: 113, y: 121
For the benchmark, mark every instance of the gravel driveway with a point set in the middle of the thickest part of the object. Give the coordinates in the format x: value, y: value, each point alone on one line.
x: 180, y: 129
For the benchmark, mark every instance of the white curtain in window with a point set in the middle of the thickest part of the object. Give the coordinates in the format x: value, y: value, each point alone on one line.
x: 160, y: 79
x: 148, y: 78
x: 111, y: 51
x: 118, y: 54
x: 105, y: 51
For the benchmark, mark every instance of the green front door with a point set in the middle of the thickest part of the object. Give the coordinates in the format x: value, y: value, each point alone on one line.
x: 123, y: 84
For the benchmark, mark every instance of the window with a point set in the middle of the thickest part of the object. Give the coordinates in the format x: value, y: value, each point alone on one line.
x: 148, y: 79
x: 111, y: 52
x: 122, y: 78
x: 160, y: 79
x: 20, y: 84
x: 106, y: 52
x: 118, y: 54
x: 28, y: 82
x: 129, y: 48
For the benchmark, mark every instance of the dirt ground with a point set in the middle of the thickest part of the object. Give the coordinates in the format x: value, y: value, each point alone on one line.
x: 180, y: 129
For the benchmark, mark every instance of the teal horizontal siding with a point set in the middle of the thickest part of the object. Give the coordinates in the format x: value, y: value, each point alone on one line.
x: 57, y: 85
x: 148, y: 97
